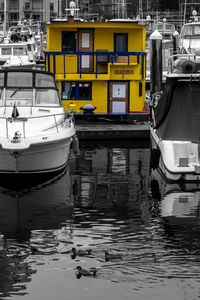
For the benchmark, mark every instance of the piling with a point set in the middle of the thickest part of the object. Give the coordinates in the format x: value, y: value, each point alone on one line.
x: 155, y: 62
x: 175, y: 42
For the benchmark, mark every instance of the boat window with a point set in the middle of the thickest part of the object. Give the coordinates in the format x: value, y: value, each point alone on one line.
x: 47, y: 97
x: 30, y: 47
x: 191, y: 30
x: 22, y: 97
x: 44, y: 80
x: 19, y: 79
x: 166, y: 36
x: 1, y: 79
x: 19, y: 51
x: 6, y: 51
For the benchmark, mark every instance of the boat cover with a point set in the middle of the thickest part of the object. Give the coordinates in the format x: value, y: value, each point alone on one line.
x: 177, y: 115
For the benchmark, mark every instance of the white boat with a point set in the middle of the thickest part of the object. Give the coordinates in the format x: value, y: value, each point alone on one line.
x: 189, y: 41
x: 35, y: 132
x: 175, y: 122
x: 20, y: 54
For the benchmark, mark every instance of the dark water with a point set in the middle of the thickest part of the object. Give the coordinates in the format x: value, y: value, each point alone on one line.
x: 106, y: 200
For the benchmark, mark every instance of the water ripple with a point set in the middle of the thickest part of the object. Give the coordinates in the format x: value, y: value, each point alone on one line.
x: 104, y: 204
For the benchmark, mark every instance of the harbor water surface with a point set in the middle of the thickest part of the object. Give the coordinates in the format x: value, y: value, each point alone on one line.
x: 105, y: 200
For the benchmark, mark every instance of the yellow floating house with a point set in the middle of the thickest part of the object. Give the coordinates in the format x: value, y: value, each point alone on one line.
x: 100, y: 64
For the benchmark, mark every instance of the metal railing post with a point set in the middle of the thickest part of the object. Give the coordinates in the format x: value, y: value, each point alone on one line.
x: 24, y: 128
x: 7, y: 128
x: 56, y: 123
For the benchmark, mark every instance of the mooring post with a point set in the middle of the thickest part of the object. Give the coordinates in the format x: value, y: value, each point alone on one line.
x: 155, y: 62
x: 175, y: 42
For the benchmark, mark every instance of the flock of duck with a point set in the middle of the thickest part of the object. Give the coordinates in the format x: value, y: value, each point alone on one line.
x: 13, y: 251
x: 93, y: 270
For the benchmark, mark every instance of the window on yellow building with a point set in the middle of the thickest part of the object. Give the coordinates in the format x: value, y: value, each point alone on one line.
x: 76, y: 90
x: 68, y: 90
x: 68, y: 41
x: 120, y: 42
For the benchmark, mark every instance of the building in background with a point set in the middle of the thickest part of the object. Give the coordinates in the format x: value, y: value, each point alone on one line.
x: 37, y: 10
x: 176, y: 11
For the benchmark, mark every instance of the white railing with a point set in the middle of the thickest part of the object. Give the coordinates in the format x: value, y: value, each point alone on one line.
x: 24, y: 120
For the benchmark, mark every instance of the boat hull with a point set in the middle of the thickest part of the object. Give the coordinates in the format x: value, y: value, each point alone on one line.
x: 38, y: 158
x: 171, y: 172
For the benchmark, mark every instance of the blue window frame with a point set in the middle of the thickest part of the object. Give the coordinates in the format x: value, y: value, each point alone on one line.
x: 140, y: 89
x: 76, y: 90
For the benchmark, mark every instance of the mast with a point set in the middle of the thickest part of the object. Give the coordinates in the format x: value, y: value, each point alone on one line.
x: 5, y: 17
x: 60, y: 9
x: 140, y: 9
x: 123, y: 9
x: 184, y: 16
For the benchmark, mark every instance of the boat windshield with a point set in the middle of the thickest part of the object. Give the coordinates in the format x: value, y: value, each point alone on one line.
x: 46, y: 94
x: 20, y: 96
x: 22, y: 90
x: 19, y: 79
x: 47, y: 97
x: 191, y: 31
x: 44, y: 81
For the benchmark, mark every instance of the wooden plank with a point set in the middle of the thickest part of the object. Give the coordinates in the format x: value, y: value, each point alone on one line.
x: 113, y: 131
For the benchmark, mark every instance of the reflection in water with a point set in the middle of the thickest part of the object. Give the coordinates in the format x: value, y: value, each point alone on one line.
x: 43, y: 205
x: 180, y: 217
x: 106, y: 202
x: 29, y: 215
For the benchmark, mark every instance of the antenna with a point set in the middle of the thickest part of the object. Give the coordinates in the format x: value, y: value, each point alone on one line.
x: 185, y: 7
x: 72, y: 8
x: 140, y: 9
x: 5, y: 18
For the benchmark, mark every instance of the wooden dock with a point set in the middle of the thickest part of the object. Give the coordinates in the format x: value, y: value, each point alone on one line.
x: 113, y: 131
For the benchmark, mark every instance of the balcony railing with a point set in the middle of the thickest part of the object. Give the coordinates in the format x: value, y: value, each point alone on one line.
x: 98, y: 56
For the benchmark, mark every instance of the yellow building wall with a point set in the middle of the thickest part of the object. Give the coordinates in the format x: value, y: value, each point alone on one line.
x: 136, y: 102
x: 99, y: 98
x: 103, y: 38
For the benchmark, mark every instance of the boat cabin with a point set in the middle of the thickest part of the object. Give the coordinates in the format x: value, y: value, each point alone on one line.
x: 18, y: 54
x: 28, y: 88
x: 98, y: 64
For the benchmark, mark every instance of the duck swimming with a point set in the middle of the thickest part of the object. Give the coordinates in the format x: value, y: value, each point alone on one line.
x: 80, y: 252
x: 112, y: 256
x: 85, y: 272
